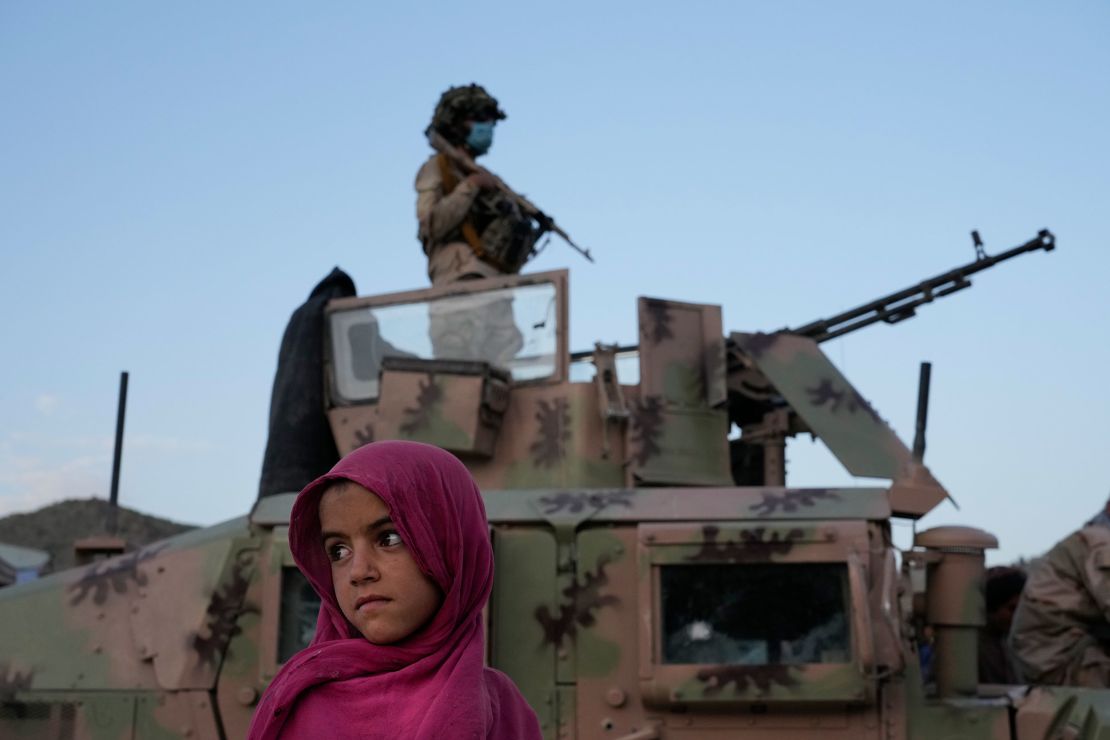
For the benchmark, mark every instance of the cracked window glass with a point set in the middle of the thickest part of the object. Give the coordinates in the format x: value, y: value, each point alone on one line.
x: 299, y: 606
x: 757, y: 614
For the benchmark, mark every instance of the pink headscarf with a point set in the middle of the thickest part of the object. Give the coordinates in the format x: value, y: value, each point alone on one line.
x: 433, y: 683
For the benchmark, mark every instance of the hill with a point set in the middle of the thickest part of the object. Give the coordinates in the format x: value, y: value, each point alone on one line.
x: 56, y: 527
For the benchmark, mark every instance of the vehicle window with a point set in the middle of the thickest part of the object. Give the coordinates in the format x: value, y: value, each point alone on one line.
x: 757, y: 614
x: 513, y: 328
x: 299, y: 606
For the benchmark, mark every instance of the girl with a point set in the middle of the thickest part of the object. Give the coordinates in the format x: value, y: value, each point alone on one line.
x: 395, y: 541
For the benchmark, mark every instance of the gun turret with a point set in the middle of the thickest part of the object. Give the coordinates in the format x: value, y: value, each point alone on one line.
x: 903, y: 304
x: 769, y: 405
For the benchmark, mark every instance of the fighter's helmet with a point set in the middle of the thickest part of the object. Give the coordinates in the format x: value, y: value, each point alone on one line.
x: 460, y: 104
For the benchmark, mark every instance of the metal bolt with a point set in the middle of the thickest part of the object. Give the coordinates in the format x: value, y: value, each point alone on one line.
x: 615, y: 697
x: 247, y: 696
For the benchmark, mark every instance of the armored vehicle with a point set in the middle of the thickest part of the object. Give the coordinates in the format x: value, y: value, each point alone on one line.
x: 654, y: 579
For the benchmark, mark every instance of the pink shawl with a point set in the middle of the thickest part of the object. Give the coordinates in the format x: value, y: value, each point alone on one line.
x: 433, y: 683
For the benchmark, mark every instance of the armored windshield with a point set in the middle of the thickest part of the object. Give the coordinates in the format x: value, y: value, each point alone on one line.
x: 514, y: 328
x: 755, y: 614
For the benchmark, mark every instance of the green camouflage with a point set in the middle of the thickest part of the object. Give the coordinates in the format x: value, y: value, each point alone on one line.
x: 639, y: 592
x: 834, y: 410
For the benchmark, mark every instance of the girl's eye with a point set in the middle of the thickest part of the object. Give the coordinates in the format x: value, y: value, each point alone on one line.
x: 389, y: 539
x: 337, y: 552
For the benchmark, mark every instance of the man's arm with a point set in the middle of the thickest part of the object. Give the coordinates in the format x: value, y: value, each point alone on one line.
x: 438, y: 214
x: 484, y: 176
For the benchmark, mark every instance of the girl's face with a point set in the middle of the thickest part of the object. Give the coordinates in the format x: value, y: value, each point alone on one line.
x: 378, y: 585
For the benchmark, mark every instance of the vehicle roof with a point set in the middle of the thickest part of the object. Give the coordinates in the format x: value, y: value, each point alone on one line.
x: 652, y: 504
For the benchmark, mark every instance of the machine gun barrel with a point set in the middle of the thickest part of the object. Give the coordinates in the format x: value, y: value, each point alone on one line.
x: 903, y: 304
x: 896, y: 306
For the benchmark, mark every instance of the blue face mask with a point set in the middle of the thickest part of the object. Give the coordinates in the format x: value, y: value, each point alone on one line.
x: 480, y: 137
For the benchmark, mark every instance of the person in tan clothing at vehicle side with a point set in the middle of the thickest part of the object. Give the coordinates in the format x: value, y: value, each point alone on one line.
x: 1061, y: 629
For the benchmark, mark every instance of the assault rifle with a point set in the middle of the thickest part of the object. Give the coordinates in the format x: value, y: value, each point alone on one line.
x: 469, y: 166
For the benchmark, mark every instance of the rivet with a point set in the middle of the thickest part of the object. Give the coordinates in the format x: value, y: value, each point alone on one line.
x: 247, y: 696
x: 615, y: 697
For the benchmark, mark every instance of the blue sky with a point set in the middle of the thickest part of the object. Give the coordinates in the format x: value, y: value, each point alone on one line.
x: 176, y: 178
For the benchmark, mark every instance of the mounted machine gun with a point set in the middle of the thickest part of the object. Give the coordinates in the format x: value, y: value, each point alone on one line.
x: 769, y: 409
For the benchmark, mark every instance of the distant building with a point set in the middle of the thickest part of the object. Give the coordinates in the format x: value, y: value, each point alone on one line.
x: 20, y: 564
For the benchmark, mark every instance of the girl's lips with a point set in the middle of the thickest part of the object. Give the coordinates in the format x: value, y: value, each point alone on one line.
x: 370, y: 602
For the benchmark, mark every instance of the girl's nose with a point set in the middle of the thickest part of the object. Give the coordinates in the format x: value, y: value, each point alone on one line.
x: 363, y: 569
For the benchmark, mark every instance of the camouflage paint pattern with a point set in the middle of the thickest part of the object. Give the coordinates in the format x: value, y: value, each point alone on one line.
x: 829, y: 404
x: 678, y: 430
x: 593, y: 491
x: 152, y: 627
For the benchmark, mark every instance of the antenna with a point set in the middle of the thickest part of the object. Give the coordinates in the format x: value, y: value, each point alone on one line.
x: 113, y: 497
x: 922, y: 411
x: 98, y: 546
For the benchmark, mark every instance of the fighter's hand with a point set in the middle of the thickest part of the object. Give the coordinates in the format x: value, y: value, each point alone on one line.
x: 483, y: 180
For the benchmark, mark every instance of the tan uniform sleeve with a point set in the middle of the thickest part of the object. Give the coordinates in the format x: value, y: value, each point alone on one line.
x: 438, y: 215
x: 1096, y: 570
x: 1067, y: 594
